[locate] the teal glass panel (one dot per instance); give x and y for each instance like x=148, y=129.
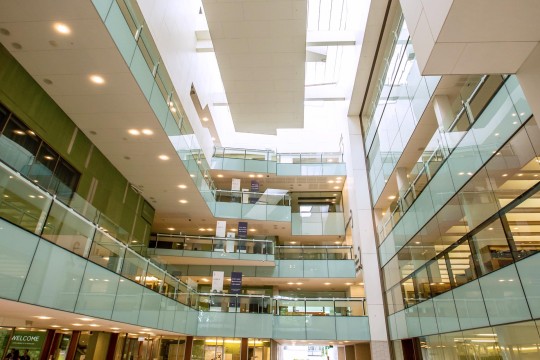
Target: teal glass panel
x=288, y=169
x=216, y=323
x=528, y=272
x=142, y=74
x=503, y=295
x=253, y=212
x=181, y=319
x=426, y=313
x=120, y=32
x=167, y=314
x=278, y=213
x=233, y=164
x=158, y=104
x=290, y=268
x=54, y=278
x=334, y=169
x=315, y=268
x=228, y=210
x=98, y=292
x=134, y=266
x=412, y=320
x=68, y=230
x=253, y=325
x=521, y=106
x=445, y=310
x=333, y=223
x=341, y=268
x=192, y=322
x=259, y=166
x=320, y=327
x=289, y=327
x=392, y=327
x=17, y=248
x=401, y=325
x=424, y=206
x=268, y=271
x=464, y=160
x=470, y=306
x=102, y=7
x=128, y=302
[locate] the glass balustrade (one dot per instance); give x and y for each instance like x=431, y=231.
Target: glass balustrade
x=30, y=207
x=314, y=253
x=186, y=245
x=463, y=147
x=324, y=223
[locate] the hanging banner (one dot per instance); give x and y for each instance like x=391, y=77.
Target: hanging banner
x=235, y=185
x=217, y=282
x=221, y=228
x=242, y=229
x=253, y=198
x=229, y=244
x=236, y=283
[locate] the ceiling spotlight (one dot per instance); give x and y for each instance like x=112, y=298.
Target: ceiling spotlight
x=209, y=229
x=42, y=317
x=182, y=201
x=134, y=132
x=219, y=175
x=391, y=197
x=147, y=132
x=251, y=175
x=182, y=186
x=336, y=187
x=170, y=229
x=97, y=79
x=327, y=283
x=163, y=157
x=205, y=119
x=260, y=176
x=62, y=28
x=252, y=230
x=202, y=229
x=205, y=280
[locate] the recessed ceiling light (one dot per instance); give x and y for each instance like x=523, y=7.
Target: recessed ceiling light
x=205, y=280
x=293, y=242
x=392, y=197
x=62, y=28
x=209, y=229
x=42, y=317
x=55, y=326
x=260, y=176
x=163, y=157
x=202, y=229
x=330, y=181
x=182, y=186
x=95, y=325
x=336, y=187
x=170, y=229
x=77, y=324
x=327, y=283
x=19, y=132
x=504, y=175
x=290, y=283
x=134, y=132
x=182, y=201
x=205, y=119
x=299, y=283
x=251, y=175
x=147, y=132
x=233, y=229
x=337, y=242
x=348, y=283
x=252, y=230
x=97, y=79
x=219, y=175
x=86, y=319
x=519, y=174
x=48, y=157
x=115, y=328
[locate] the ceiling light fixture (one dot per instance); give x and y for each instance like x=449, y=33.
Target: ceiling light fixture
x=147, y=132
x=62, y=28
x=134, y=132
x=171, y=229
x=219, y=175
x=182, y=186
x=163, y=157
x=97, y=79
x=183, y=201
x=205, y=119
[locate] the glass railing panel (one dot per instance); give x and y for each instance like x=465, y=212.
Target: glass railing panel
x=69, y=230
x=98, y=292
x=154, y=278
x=21, y=202
x=106, y=251
x=16, y=251
x=199, y=244
x=285, y=307
x=320, y=307
x=134, y=266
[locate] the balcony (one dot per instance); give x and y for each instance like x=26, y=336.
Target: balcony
x=178, y=249
x=281, y=164
x=324, y=223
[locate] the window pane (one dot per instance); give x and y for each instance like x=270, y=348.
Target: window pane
x=461, y=264
x=524, y=225
x=491, y=250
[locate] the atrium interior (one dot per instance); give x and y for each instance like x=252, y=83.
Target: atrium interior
x=269, y=179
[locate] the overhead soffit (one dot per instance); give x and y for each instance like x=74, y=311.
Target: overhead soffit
x=260, y=48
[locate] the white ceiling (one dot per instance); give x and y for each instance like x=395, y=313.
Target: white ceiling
x=261, y=51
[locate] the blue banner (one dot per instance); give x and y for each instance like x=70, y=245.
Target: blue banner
x=242, y=229
x=236, y=283
x=253, y=198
